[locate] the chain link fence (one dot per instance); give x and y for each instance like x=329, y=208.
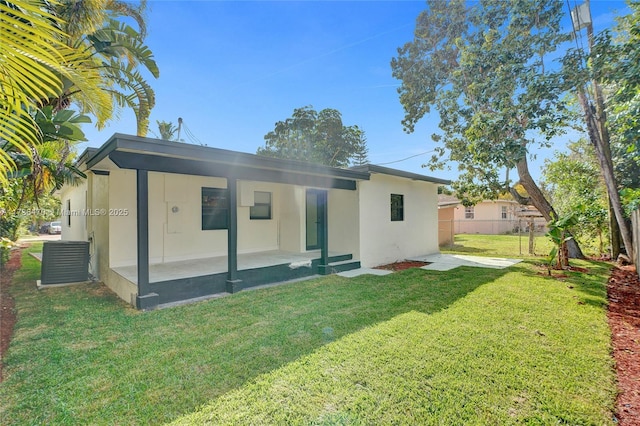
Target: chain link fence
x=522, y=236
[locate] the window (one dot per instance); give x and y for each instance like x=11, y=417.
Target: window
x=261, y=208
x=504, y=212
x=397, y=207
x=215, y=207
x=468, y=212
x=69, y=213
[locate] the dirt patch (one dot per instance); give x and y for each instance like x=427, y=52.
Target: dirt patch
x=623, y=291
x=7, y=304
x=401, y=266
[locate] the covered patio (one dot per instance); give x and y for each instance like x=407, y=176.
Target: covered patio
x=193, y=221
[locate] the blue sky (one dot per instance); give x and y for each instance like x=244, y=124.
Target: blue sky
x=232, y=69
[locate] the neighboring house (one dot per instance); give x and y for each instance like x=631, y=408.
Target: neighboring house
x=490, y=217
x=169, y=221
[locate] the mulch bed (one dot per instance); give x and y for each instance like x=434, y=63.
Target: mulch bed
x=623, y=291
x=401, y=266
x=7, y=304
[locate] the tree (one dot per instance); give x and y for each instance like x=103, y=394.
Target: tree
x=485, y=68
x=361, y=155
x=167, y=130
x=576, y=187
x=318, y=137
x=31, y=185
x=35, y=65
x=614, y=63
x=59, y=53
x=117, y=53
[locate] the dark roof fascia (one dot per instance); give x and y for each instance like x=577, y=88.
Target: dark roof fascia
x=187, y=151
x=372, y=168
x=85, y=155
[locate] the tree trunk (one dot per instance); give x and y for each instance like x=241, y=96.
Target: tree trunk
x=614, y=233
x=606, y=167
x=541, y=203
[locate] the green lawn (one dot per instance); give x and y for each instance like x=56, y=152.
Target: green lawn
x=468, y=346
x=498, y=245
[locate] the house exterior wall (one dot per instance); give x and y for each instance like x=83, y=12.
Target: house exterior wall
x=344, y=222
x=292, y=231
x=487, y=218
x=383, y=241
x=98, y=225
x=175, y=229
x=122, y=228
x=257, y=234
x=74, y=212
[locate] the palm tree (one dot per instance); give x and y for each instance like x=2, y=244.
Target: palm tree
x=34, y=65
x=117, y=51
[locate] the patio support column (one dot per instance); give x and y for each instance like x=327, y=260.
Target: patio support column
x=323, y=204
x=145, y=299
x=234, y=284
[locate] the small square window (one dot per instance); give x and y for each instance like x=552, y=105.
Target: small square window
x=215, y=208
x=261, y=209
x=397, y=207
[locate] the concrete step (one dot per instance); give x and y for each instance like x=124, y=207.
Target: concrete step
x=344, y=265
x=340, y=258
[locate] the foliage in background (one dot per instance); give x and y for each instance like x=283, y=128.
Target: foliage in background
x=574, y=185
x=616, y=61
x=487, y=69
x=116, y=51
x=317, y=137
x=35, y=66
x=167, y=130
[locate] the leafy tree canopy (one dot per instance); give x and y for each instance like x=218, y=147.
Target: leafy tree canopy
x=574, y=184
x=616, y=62
x=485, y=68
x=318, y=137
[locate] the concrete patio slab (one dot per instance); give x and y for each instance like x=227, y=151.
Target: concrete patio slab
x=445, y=262
x=363, y=271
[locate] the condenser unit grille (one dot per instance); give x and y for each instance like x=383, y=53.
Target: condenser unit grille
x=64, y=262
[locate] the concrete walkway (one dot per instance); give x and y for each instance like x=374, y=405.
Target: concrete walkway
x=446, y=262
x=443, y=262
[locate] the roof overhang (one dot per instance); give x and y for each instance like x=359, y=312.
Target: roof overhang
x=138, y=153
x=371, y=168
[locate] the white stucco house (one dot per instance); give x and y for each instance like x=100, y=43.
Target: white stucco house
x=169, y=221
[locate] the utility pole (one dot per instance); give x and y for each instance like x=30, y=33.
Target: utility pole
x=179, y=127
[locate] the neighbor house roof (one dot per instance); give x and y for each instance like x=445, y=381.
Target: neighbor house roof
x=445, y=200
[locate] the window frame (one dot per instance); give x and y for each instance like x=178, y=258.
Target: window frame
x=504, y=212
x=214, y=217
x=253, y=210
x=397, y=207
x=469, y=212
x=68, y=213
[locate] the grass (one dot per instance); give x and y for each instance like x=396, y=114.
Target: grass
x=498, y=245
x=496, y=347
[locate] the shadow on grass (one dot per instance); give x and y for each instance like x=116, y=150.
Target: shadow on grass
x=457, y=248
x=108, y=363
x=588, y=286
